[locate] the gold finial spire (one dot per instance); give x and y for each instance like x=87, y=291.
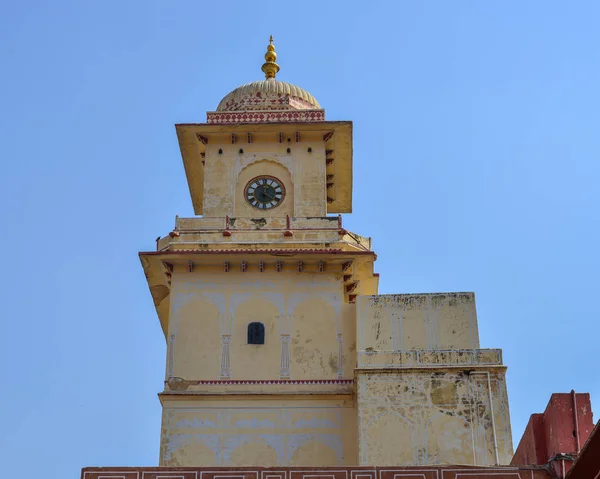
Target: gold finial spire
x=270, y=67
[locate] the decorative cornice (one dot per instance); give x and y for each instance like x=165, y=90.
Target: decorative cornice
x=273, y=116
x=271, y=382
x=277, y=252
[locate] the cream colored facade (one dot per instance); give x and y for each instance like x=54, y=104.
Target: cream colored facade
x=345, y=376
x=422, y=380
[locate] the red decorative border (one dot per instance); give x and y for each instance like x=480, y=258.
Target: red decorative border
x=282, y=252
x=310, y=472
x=232, y=117
x=226, y=382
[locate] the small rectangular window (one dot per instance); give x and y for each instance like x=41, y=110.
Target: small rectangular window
x=256, y=333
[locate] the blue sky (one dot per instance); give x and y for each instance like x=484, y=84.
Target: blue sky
x=476, y=169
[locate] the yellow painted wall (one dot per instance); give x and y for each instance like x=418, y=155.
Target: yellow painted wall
x=415, y=405
x=262, y=167
x=396, y=322
x=302, y=173
x=390, y=380
x=422, y=383
x=211, y=310
x=258, y=431
x=432, y=417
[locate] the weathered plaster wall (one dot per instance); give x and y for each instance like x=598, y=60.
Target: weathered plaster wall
x=302, y=173
x=426, y=393
x=432, y=417
x=311, y=199
x=397, y=322
x=310, y=331
x=265, y=431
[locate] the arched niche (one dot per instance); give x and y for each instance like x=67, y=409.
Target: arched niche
x=266, y=167
x=192, y=452
x=197, y=346
x=314, y=452
x=255, y=361
x=253, y=453
x=314, y=343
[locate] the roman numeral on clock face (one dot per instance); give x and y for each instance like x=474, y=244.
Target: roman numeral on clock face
x=264, y=192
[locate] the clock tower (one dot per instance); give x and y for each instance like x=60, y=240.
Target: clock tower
x=279, y=350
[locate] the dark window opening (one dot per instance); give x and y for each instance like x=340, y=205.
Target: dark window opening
x=256, y=333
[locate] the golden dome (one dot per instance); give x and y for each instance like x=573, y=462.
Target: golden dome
x=268, y=94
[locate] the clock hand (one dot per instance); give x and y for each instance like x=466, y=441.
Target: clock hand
x=267, y=195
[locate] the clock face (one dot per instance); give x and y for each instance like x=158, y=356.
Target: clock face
x=264, y=192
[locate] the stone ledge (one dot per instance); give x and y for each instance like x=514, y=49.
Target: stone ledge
x=429, y=358
x=176, y=386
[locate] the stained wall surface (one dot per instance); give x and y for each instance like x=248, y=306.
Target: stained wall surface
x=309, y=328
x=425, y=393
x=432, y=417
x=342, y=378
x=397, y=322
x=301, y=172
x=273, y=431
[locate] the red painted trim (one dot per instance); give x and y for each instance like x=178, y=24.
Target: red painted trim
x=265, y=116
x=285, y=123
x=262, y=251
x=449, y=471
x=225, y=382
x=212, y=230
